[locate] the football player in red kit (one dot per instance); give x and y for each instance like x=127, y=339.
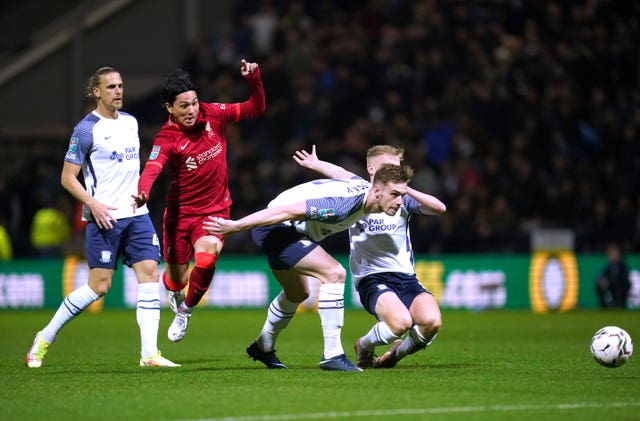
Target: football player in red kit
x=193, y=144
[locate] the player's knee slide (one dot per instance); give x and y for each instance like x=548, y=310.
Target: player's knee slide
x=206, y=260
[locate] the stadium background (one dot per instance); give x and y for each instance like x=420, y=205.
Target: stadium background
x=522, y=116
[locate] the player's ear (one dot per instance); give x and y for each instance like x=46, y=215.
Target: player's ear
x=371, y=169
x=169, y=107
x=377, y=191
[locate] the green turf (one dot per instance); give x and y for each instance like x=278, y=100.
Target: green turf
x=487, y=365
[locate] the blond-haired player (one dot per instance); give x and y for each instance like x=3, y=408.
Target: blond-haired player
x=381, y=263
x=288, y=232
x=106, y=147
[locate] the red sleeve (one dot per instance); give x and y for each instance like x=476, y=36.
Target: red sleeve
x=153, y=167
x=256, y=104
x=151, y=171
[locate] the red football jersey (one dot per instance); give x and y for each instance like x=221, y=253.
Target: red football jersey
x=197, y=157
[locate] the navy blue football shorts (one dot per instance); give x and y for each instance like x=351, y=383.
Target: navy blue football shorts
x=133, y=238
x=405, y=286
x=283, y=245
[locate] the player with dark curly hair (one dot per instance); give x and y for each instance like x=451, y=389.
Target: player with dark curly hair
x=193, y=144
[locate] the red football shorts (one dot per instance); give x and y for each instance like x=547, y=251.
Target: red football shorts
x=180, y=233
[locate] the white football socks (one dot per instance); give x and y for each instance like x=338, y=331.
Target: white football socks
x=71, y=306
x=279, y=315
x=414, y=342
x=148, y=317
x=380, y=334
x=331, y=310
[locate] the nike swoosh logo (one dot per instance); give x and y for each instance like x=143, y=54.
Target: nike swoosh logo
x=107, y=137
x=184, y=146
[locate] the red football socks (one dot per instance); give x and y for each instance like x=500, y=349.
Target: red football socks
x=172, y=285
x=199, y=281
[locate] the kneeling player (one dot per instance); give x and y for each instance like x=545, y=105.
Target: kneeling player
x=381, y=261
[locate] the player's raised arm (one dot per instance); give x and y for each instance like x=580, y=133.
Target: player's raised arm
x=247, y=68
x=256, y=104
x=327, y=169
x=429, y=205
x=262, y=218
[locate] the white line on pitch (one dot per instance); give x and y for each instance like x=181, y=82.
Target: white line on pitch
x=419, y=411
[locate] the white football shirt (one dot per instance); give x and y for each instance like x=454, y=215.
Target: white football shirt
x=108, y=150
x=382, y=243
x=332, y=205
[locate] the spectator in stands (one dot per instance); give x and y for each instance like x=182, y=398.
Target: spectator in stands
x=6, y=247
x=50, y=231
x=613, y=284
x=532, y=95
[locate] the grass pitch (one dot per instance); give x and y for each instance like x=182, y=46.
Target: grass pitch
x=487, y=365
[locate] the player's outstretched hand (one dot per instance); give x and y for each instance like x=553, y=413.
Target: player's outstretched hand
x=139, y=200
x=220, y=226
x=247, y=68
x=306, y=159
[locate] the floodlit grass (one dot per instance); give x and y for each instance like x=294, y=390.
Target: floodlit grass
x=486, y=365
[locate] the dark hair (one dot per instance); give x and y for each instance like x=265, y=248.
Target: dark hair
x=175, y=84
x=94, y=80
x=391, y=173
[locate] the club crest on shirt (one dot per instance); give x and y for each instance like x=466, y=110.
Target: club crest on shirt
x=154, y=152
x=304, y=242
x=190, y=163
x=207, y=128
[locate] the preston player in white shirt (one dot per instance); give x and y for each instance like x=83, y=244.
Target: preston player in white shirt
x=294, y=223
x=106, y=147
x=381, y=262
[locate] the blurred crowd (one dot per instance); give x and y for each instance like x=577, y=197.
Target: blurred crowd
x=517, y=114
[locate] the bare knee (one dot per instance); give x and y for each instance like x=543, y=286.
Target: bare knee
x=430, y=325
x=147, y=271
x=400, y=323
x=336, y=275
x=100, y=285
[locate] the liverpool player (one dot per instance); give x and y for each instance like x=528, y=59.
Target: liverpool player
x=193, y=143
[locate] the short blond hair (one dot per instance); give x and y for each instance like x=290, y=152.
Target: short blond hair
x=379, y=150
